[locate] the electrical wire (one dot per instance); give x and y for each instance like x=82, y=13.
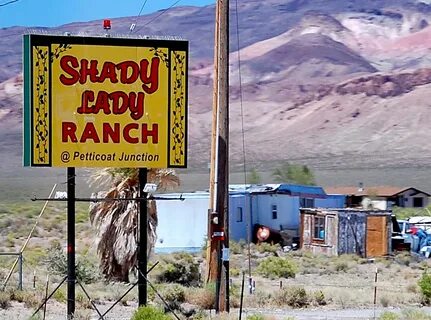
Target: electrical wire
x=133, y=26
x=156, y=17
x=9, y=2
x=243, y=133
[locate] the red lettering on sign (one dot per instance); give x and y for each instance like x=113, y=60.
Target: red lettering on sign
x=126, y=133
x=68, y=130
x=124, y=71
x=153, y=78
x=153, y=133
x=111, y=132
x=89, y=132
x=68, y=63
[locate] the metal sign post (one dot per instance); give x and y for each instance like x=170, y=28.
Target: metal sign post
x=143, y=242
x=71, y=273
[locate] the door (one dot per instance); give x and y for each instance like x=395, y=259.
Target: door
x=377, y=236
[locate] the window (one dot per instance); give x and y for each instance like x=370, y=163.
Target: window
x=319, y=227
x=274, y=211
x=306, y=203
x=238, y=214
x=418, y=202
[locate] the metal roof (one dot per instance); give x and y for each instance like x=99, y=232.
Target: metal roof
x=379, y=191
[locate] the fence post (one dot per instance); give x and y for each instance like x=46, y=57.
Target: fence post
x=20, y=271
x=375, y=291
x=281, y=284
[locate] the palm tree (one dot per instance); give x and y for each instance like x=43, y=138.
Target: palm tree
x=116, y=222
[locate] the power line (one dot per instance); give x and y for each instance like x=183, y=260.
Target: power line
x=9, y=2
x=156, y=17
x=133, y=26
x=243, y=134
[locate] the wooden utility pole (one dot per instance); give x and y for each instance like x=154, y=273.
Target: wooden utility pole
x=223, y=148
x=212, y=243
x=219, y=219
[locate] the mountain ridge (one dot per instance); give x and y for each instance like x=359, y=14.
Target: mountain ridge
x=321, y=80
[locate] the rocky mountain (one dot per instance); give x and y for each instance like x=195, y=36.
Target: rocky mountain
x=330, y=83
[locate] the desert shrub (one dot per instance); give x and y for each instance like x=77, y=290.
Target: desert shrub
x=173, y=295
x=403, y=258
x=234, y=272
x=411, y=314
x=295, y=297
x=202, y=297
x=82, y=314
x=4, y=300
x=341, y=266
x=267, y=247
x=179, y=268
x=275, y=267
x=319, y=298
x=387, y=315
x=83, y=301
x=255, y=317
x=413, y=288
x=234, y=295
x=259, y=299
x=60, y=295
x=149, y=313
x=56, y=262
x=235, y=247
x=29, y=299
x=424, y=284
x=384, y=301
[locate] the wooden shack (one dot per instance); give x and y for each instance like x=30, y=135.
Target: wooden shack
x=366, y=233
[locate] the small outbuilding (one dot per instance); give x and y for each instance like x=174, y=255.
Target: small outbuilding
x=366, y=233
x=382, y=197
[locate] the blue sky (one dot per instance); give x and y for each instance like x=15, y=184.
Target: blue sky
x=50, y=13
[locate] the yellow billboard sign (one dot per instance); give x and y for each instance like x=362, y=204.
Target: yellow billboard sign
x=105, y=102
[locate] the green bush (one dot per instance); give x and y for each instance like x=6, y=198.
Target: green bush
x=149, y=313
x=60, y=295
x=256, y=317
x=56, y=262
x=267, y=247
x=411, y=314
x=386, y=315
x=179, y=268
x=275, y=267
x=173, y=295
x=295, y=297
x=235, y=247
x=424, y=284
x=319, y=298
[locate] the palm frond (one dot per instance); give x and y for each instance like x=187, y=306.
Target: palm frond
x=116, y=221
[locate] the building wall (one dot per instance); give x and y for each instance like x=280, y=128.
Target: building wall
x=183, y=224
x=287, y=210
x=330, y=244
x=351, y=233
x=239, y=217
x=331, y=201
x=409, y=196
